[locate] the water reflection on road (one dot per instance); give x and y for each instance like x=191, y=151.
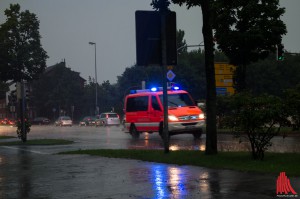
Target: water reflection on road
x=114, y=138
x=225, y=143
x=24, y=186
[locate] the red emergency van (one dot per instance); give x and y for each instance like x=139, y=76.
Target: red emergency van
x=144, y=113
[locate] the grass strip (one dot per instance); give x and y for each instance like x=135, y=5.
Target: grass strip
x=6, y=137
x=240, y=161
x=37, y=142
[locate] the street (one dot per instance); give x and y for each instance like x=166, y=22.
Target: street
x=113, y=137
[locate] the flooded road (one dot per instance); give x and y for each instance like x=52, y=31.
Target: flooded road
x=36, y=172
x=115, y=138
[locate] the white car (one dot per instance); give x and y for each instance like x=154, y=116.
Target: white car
x=107, y=119
x=64, y=121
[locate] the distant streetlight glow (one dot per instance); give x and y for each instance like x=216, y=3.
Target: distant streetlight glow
x=96, y=82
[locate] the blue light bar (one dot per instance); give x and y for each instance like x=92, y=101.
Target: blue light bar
x=176, y=88
x=154, y=89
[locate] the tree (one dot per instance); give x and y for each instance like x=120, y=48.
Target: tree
x=211, y=130
x=247, y=31
x=21, y=54
x=273, y=77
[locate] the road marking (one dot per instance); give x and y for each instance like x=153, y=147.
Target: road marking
x=31, y=151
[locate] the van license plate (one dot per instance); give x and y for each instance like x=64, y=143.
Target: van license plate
x=189, y=127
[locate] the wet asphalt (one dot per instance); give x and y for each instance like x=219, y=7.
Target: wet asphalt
x=26, y=172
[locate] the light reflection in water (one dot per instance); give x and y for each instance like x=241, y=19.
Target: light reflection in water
x=204, y=184
x=108, y=132
x=146, y=139
x=175, y=147
x=168, y=182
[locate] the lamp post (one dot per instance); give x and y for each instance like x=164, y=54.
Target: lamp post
x=96, y=104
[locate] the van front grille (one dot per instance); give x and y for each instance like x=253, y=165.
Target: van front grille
x=189, y=117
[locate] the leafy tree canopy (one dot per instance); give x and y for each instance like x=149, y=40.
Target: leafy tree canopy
x=21, y=54
x=248, y=30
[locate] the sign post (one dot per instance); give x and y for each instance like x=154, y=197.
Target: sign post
x=156, y=45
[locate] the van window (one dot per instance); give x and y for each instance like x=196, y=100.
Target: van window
x=178, y=100
x=137, y=104
x=155, y=104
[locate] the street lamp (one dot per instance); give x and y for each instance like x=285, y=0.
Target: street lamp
x=96, y=104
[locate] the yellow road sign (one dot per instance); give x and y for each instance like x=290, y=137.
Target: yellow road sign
x=224, y=80
x=224, y=69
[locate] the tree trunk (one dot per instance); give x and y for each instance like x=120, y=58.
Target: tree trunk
x=211, y=129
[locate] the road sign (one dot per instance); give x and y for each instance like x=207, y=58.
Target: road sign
x=170, y=67
x=224, y=90
x=224, y=80
x=224, y=69
x=170, y=75
x=149, y=40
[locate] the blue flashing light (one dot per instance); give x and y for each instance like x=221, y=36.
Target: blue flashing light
x=132, y=91
x=153, y=89
x=176, y=88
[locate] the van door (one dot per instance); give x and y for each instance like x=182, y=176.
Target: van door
x=137, y=112
x=155, y=113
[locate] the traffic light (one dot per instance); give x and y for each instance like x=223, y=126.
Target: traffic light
x=280, y=52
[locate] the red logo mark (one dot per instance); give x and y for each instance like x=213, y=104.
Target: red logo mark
x=283, y=185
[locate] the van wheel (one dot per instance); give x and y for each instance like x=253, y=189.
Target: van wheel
x=134, y=133
x=161, y=131
x=197, y=135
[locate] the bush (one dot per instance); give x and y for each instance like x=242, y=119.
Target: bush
x=292, y=103
x=23, y=135
x=259, y=118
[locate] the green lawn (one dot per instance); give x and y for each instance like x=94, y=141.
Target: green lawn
x=5, y=137
x=241, y=161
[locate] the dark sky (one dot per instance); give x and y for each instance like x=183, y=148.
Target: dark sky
x=67, y=26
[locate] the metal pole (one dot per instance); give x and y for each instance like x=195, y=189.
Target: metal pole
x=96, y=81
x=165, y=91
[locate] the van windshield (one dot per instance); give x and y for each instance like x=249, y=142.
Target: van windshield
x=178, y=100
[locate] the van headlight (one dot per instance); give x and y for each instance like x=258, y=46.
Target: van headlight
x=201, y=116
x=173, y=118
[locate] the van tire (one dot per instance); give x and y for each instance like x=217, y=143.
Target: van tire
x=161, y=131
x=197, y=135
x=134, y=133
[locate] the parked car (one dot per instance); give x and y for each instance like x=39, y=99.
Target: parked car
x=87, y=121
x=64, y=121
x=107, y=119
x=40, y=121
x=7, y=121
